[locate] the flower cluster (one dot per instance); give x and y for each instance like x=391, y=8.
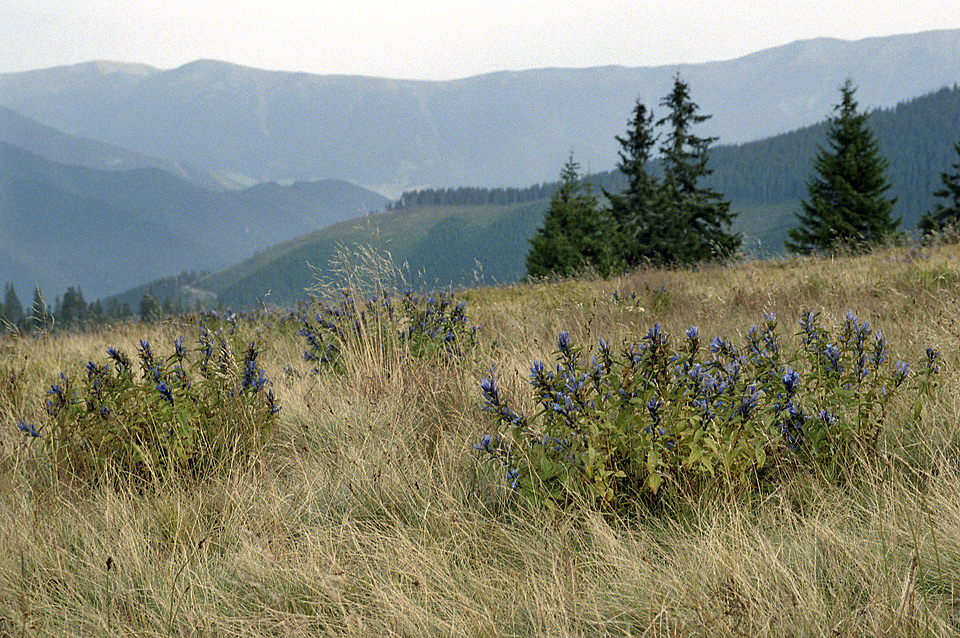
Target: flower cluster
x=193, y=409
x=427, y=327
x=614, y=426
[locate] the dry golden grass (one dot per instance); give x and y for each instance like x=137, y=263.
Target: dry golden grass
x=369, y=514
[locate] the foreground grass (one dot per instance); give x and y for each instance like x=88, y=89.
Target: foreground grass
x=368, y=514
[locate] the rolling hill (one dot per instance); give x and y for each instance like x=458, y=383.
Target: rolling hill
x=105, y=231
x=507, y=128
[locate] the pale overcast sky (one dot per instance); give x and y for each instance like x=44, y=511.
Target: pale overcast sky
x=437, y=39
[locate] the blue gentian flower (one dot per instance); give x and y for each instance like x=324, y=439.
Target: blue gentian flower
x=165, y=391
x=27, y=428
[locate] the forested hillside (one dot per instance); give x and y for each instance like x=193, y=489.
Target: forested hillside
x=917, y=137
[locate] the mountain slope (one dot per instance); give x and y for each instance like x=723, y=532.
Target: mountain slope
x=441, y=246
x=508, y=128
x=106, y=231
x=764, y=181
x=45, y=141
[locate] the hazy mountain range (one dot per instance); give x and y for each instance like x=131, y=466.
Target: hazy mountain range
x=466, y=244
x=65, y=225
x=499, y=129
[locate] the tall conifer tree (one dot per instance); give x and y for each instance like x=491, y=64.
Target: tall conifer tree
x=150, y=307
x=576, y=233
x=640, y=225
x=848, y=203
x=698, y=217
x=12, y=308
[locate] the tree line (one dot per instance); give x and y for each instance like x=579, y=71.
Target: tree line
x=673, y=216
x=471, y=196
x=72, y=312
x=776, y=169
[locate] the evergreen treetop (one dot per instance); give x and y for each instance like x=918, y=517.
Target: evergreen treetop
x=576, y=233
x=150, y=309
x=847, y=203
x=635, y=211
x=12, y=308
x=698, y=217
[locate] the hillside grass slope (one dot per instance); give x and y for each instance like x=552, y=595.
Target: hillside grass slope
x=443, y=246
x=370, y=513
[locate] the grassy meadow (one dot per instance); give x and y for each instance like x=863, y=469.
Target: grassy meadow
x=369, y=512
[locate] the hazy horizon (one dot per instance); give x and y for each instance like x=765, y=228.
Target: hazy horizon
x=431, y=39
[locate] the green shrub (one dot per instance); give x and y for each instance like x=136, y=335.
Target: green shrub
x=617, y=428
x=195, y=410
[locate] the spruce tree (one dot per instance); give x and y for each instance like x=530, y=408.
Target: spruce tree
x=640, y=226
x=95, y=313
x=576, y=233
x=72, y=310
x=945, y=215
x=847, y=203
x=113, y=310
x=150, y=307
x=12, y=308
x=696, y=218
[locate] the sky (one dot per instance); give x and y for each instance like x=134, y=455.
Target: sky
x=437, y=39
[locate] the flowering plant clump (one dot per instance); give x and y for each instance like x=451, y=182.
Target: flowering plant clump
x=428, y=327
x=617, y=426
x=194, y=410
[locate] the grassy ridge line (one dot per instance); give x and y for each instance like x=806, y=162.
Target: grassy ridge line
x=370, y=514
x=442, y=245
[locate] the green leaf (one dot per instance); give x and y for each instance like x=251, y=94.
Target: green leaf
x=654, y=481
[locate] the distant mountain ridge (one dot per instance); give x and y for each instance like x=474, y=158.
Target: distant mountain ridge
x=45, y=141
x=498, y=129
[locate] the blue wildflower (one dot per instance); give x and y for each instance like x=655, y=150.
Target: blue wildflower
x=933, y=356
x=272, y=402
x=165, y=391
x=748, y=403
x=146, y=354
x=831, y=354
x=27, y=428
x=653, y=407
x=790, y=380
x=485, y=442
x=900, y=373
